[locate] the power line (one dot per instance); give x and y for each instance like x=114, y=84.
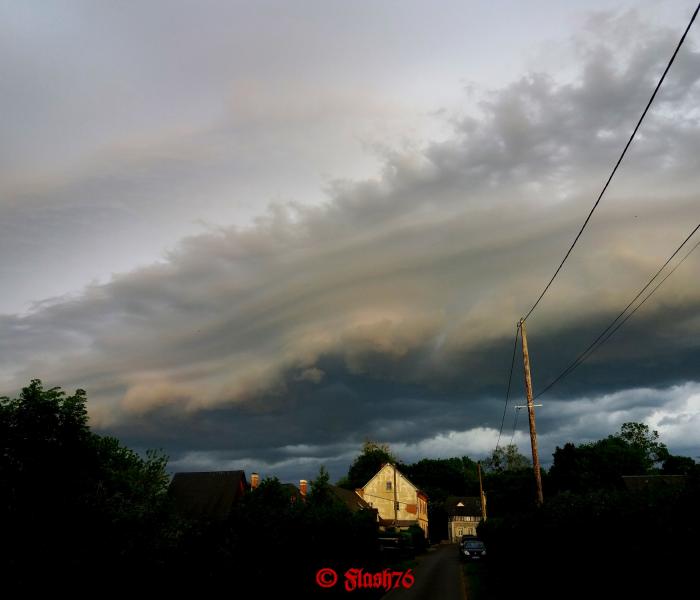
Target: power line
x=658, y=285
x=608, y=332
x=617, y=164
x=383, y=498
x=510, y=379
x=590, y=349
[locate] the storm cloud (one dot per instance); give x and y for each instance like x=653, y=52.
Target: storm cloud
x=387, y=309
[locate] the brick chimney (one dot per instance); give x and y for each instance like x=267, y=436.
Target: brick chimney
x=254, y=480
x=303, y=486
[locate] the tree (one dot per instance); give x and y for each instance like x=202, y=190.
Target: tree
x=634, y=450
x=506, y=458
x=638, y=436
x=364, y=467
x=71, y=497
x=320, y=489
x=595, y=466
x=443, y=477
x=300, y=537
x=678, y=465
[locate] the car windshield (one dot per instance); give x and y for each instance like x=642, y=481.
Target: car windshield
x=474, y=545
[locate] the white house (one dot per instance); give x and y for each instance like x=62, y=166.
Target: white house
x=463, y=516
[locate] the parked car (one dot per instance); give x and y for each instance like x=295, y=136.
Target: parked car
x=472, y=549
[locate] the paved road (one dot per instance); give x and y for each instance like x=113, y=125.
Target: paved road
x=438, y=576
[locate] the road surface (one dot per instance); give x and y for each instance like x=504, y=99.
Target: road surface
x=437, y=577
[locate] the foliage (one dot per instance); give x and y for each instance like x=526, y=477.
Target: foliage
x=443, y=477
x=70, y=496
x=590, y=518
x=506, y=458
x=370, y=460
x=511, y=491
x=619, y=535
x=418, y=540
x=678, y=465
x=638, y=436
x=267, y=528
x=600, y=465
x=78, y=506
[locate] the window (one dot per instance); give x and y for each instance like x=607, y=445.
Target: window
x=388, y=486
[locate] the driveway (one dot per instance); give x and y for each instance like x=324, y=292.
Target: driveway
x=437, y=575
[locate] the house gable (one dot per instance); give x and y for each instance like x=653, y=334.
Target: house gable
x=388, y=470
x=396, y=498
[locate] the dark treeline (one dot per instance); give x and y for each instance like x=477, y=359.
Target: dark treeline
x=81, y=512
x=273, y=545
x=75, y=506
x=594, y=536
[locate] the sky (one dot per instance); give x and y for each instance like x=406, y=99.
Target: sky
x=260, y=233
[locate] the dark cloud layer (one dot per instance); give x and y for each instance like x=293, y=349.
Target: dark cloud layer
x=388, y=311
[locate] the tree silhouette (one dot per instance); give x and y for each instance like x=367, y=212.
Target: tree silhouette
x=71, y=497
x=366, y=465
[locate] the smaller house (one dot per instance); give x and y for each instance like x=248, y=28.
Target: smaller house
x=463, y=516
x=207, y=494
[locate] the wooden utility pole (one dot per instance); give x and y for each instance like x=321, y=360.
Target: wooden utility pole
x=531, y=415
x=482, y=496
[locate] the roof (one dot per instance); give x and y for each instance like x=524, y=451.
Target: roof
x=293, y=491
x=350, y=498
x=470, y=506
x=208, y=494
x=418, y=491
x=638, y=483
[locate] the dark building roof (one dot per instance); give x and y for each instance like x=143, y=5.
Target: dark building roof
x=209, y=494
x=639, y=483
x=349, y=498
x=471, y=506
x=293, y=491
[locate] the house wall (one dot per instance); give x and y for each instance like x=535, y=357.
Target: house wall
x=380, y=496
x=462, y=525
x=423, y=514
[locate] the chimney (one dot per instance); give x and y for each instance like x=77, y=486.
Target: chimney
x=303, y=485
x=254, y=480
